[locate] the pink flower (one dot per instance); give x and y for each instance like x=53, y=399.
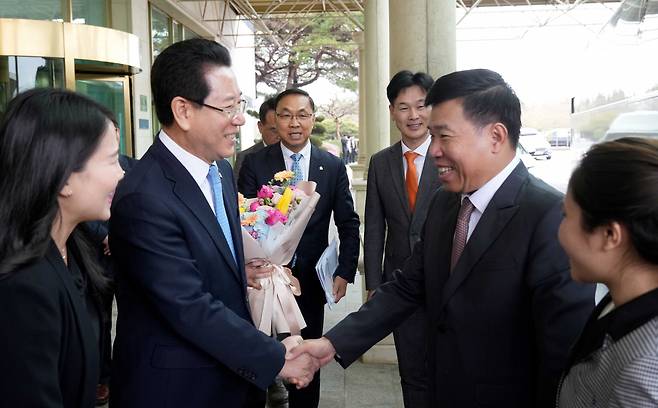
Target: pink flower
x=254, y=206
x=265, y=192
x=274, y=216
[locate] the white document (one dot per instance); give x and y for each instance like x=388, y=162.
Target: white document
x=325, y=268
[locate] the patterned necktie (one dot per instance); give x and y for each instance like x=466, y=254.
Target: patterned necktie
x=411, y=178
x=461, y=231
x=220, y=211
x=296, y=168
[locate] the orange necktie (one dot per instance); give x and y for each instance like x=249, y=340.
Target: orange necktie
x=411, y=178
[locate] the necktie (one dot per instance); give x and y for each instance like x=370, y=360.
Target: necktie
x=220, y=210
x=296, y=168
x=461, y=231
x=411, y=178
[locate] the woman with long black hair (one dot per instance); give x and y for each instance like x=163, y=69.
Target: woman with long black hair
x=59, y=167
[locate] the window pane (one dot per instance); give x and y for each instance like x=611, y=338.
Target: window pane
x=160, y=35
x=33, y=9
x=39, y=72
x=187, y=33
x=93, y=12
x=8, y=81
x=178, y=31
x=18, y=74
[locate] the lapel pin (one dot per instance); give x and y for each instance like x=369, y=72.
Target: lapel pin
x=321, y=168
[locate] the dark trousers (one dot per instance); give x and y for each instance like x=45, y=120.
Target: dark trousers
x=411, y=347
x=312, y=307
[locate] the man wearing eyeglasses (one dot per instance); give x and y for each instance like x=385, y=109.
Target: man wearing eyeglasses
x=266, y=127
x=184, y=333
x=295, y=120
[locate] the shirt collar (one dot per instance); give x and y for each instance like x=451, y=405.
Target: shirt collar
x=421, y=150
x=197, y=168
x=305, y=152
x=481, y=198
x=618, y=323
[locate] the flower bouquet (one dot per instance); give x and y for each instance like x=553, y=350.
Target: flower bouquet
x=272, y=224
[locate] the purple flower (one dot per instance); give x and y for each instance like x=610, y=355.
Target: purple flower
x=253, y=206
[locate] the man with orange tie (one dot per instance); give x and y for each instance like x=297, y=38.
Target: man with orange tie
x=400, y=186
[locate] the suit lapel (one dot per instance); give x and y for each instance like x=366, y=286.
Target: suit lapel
x=231, y=205
x=429, y=182
x=85, y=330
x=497, y=215
x=397, y=176
x=188, y=192
x=275, y=160
x=316, y=167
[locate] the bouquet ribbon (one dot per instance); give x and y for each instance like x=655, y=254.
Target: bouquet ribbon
x=273, y=307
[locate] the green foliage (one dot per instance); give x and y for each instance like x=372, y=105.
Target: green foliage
x=319, y=129
x=301, y=52
x=346, y=127
x=316, y=141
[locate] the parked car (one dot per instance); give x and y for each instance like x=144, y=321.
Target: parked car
x=534, y=143
x=638, y=124
x=559, y=137
x=525, y=157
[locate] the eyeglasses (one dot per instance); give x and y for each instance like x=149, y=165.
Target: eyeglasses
x=230, y=112
x=288, y=117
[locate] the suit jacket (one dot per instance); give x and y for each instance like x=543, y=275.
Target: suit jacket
x=239, y=158
x=184, y=332
x=501, y=324
x=333, y=186
x=391, y=229
x=48, y=348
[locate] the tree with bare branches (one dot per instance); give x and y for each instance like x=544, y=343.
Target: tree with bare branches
x=337, y=109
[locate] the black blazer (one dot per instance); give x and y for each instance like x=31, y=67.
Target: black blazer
x=48, y=350
x=391, y=229
x=333, y=186
x=501, y=324
x=184, y=333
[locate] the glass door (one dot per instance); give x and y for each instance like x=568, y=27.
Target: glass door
x=112, y=92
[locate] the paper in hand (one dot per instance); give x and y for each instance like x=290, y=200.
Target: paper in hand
x=325, y=268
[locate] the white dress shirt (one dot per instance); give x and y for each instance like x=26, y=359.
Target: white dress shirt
x=304, y=162
x=419, y=161
x=197, y=168
x=484, y=194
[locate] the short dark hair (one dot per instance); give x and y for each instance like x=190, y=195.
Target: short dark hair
x=268, y=105
x=45, y=136
x=405, y=79
x=486, y=98
x=179, y=71
x=631, y=166
x=293, y=91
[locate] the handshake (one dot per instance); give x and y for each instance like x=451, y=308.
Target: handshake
x=304, y=358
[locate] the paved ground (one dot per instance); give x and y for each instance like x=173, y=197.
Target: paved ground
x=361, y=385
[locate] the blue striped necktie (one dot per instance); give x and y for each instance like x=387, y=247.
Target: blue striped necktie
x=296, y=168
x=220, y=211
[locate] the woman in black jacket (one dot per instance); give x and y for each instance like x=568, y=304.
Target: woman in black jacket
x=59, y=167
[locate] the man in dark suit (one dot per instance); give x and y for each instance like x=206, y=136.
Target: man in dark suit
x=295, y=118
x=266, y=127
x=502, y=309
x=184, y=333
x=401, y=181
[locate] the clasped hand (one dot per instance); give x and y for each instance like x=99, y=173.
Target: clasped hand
x=304, y=358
